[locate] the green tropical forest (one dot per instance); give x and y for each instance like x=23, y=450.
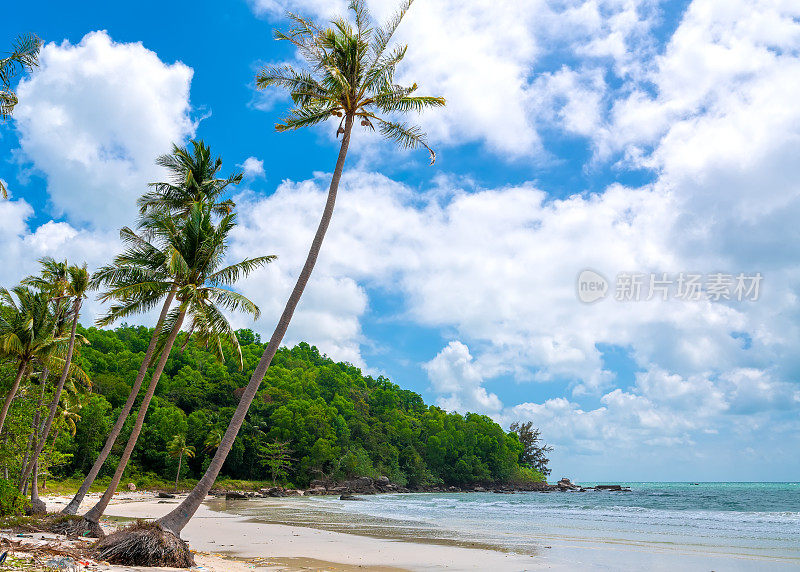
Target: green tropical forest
x=335, y=422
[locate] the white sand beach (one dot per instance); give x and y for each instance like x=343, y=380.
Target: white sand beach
x=227, y=543
x=224, y=542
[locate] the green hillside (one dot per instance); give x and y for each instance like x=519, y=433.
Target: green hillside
x=336, y=422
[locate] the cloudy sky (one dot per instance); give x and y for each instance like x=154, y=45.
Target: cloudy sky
x=622, y=136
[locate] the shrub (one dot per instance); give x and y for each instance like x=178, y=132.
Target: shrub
x=11, y=500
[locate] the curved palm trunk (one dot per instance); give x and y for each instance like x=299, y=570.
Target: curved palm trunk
x=23, y=365
x=47, y=460
x=57, y=394
x=35, y=423
x=97, y=510
x=178, y=476
x=37, y=505
x=75, y=503
x=177, y=519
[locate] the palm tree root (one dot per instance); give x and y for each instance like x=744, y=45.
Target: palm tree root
x=145, y=544
x=37, y=507
x=73, y=526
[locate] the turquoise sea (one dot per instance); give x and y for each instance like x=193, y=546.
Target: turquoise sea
x=746, y=526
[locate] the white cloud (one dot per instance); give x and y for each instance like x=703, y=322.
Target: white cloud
x=253, y=167
x=93, y=117
x=485, y=60
x=458, y=380
x=22, y=247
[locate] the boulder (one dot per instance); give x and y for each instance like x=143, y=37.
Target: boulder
x=163, y=495
x=236, y=495
x=131, y=487
x=348, y=496
x=362, y=485
x=383, y=481
x=608, y=488
x=566, y=485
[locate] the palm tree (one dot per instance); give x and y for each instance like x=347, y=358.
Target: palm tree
x=24, y=56
x=193, y=179
x=76, y=288
x=194, y=248
x=53, y=281
x=350, y=76
x=178, y=448
x=142, y=275
x=140, y=279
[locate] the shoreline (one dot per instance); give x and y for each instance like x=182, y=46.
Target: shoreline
x=228, y=542
x=225, y=542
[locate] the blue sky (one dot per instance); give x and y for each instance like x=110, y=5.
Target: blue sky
x=617, y=135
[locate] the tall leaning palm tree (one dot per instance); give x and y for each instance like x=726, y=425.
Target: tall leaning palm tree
x=24, y=56
x=195, y=247
x=76, y=288
x=350, y=76
x=141, y=275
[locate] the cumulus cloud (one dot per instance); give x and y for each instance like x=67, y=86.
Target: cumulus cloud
x=94, y=116
x=22, y=246
x=458, y=380
x=253, y=167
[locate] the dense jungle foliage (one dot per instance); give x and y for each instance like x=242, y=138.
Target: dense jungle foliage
x=335, y=422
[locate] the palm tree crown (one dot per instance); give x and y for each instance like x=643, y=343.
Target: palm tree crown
x=193, y=179
x=185, y=254
x=351, y=73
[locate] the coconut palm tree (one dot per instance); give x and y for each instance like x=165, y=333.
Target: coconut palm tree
x=142, y=275
x=52, y=281
x=76, y=288
x=195, y=247
x=193, y=178
x=24, y=56
x=350, y=76
x=178, y=448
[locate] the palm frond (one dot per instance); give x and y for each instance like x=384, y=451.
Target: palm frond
x=234, y=272
x=405, y=135
x=233, y=301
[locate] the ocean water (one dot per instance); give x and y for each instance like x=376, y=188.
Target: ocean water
x=756, y=522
